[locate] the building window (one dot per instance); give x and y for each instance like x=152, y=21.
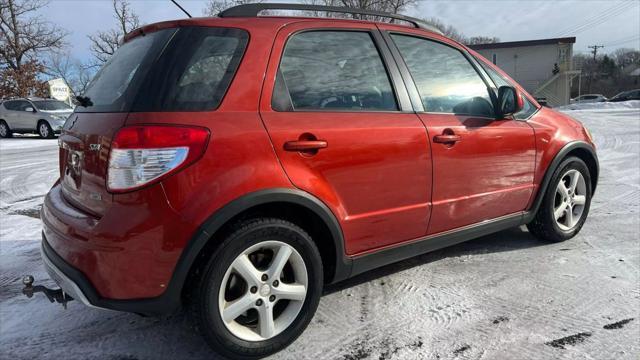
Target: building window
x=562, y=56
x=494, y=59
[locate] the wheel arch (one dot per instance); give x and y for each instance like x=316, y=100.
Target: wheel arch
x=293, y=205
x=580, y=149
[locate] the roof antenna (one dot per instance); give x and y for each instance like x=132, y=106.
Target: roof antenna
x=181, y=8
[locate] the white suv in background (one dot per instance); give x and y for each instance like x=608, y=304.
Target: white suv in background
x=42, y=116
x=589, y=98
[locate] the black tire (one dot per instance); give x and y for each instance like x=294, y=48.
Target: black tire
x=203, y=302
x=544, y=225
x=5, y=131
x=44, y=130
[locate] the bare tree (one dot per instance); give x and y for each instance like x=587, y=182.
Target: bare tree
x=389, y=6
x=105, y=43
x=25, y=35
x=24, y=38
x=76, y=74
x=214, y=7
x=447, y=30
x=475, y=40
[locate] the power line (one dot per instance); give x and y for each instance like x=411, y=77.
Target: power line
x=598, y=19
x=623, y=40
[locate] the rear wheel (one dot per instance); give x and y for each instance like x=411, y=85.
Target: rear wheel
x=259, y=290
x=44, y=130
x=5, y=132
x=566, y=203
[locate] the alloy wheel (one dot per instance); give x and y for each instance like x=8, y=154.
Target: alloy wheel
x=3, y=130
x=570, y=200
x=44, y=130
x=263, y=291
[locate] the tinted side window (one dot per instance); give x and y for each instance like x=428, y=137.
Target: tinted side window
x=333, y=70
x=195, y=70
x=10, y=105
x=528, y=108
x=18, y=105
x=445, y=79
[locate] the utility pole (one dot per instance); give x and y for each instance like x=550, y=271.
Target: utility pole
x=594, y=67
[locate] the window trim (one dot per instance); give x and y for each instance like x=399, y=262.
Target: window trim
x=495, y=87
x=155, y=67
x=410, y=84
x=398, y=86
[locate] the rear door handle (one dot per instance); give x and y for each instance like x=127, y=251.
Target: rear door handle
x=446, y=139
x=305, y=145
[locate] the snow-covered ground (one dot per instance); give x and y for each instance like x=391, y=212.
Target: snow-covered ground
x=631, y=104
x=503, y=296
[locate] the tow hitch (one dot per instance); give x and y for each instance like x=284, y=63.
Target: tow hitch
x=54, y=295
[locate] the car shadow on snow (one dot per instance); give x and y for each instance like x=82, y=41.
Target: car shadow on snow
x=507, y=240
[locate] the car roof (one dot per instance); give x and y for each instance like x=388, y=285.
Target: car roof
x=264, y=23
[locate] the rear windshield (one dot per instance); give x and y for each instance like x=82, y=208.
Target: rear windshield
x=188, y=69
x=49, y=105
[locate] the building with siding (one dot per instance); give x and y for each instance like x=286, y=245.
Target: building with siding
x=543, y=67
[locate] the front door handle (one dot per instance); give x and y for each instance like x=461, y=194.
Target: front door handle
x=446, y=139
x=307, y=147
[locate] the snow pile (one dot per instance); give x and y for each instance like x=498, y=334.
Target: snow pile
x=631, y=104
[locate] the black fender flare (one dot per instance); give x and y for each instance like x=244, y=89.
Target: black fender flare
x=558, y=158
x=222, y=216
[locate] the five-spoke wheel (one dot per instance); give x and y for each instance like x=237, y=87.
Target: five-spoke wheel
x=259, y=289
x=565, y=204
x=263, y=291
x=571, y=196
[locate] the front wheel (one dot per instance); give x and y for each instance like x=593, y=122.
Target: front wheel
x=44, y=130
x=566, y=203
x=259, y=290
x=5, y=132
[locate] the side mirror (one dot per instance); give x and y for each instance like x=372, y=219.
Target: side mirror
x=29, y=109
x=509, y=101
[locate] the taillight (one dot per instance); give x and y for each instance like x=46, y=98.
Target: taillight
x=141, y=155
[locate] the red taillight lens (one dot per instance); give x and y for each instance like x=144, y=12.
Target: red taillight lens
x=141, y=155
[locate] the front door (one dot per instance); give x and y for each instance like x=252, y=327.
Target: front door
x=483, y=167
x=343, y=128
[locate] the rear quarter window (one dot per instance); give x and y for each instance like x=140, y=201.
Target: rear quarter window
x=195, y=71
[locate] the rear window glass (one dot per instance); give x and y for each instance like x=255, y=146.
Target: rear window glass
x=188, y=69
x=193, y=74
x=49, y=105
x=114, y=87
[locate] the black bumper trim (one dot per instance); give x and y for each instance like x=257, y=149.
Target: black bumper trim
x=166, y=303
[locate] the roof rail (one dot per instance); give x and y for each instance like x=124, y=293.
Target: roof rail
x=252, y=10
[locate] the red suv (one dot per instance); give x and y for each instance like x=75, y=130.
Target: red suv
x=238, y=164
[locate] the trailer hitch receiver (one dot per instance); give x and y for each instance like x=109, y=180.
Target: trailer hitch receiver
x=54, y=295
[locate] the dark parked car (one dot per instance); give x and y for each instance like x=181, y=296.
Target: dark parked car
x=627, y=95
x=244, y=162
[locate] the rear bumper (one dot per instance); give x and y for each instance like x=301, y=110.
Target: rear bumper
x=122, y=261
x=76, y=284
x=53, y=264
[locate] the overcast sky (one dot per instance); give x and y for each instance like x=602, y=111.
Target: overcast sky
x=614, y=24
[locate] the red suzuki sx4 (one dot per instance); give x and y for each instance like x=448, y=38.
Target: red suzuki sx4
x=235, y=165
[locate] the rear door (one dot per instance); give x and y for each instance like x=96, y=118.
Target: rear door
x=9, y=113
x=343, y=127
x=483, y=167
x=20, y=117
